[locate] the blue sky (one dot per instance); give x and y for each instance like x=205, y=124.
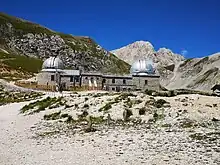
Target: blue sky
x=189, y=26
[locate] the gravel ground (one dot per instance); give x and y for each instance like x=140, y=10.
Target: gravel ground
x=116, y=145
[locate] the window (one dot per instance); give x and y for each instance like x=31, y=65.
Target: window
x=113, y=89
x=97, y=78
x=71, y=79
x=113, y=81
x=124, y=89
x=146, y=82
x=52, y=78
x=104, y=80
x=124, y=81
x=77, y=79
x=92, y=80
x=86, y=78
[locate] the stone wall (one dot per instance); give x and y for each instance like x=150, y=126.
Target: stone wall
x=44, y=78
x=146, y=82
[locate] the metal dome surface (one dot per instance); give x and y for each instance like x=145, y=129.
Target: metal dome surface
x=142, y=67
x=53, y=63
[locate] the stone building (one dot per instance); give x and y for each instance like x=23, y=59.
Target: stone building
x=53, y=76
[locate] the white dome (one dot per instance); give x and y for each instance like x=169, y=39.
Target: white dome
x=53, y=63
x=142, y=67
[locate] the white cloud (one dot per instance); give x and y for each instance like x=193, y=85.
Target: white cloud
x=184, y=52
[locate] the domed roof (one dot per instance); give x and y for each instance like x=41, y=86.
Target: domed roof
x=53, y=63
x=142, y=67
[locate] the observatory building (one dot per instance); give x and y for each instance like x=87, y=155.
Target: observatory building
x=53, y=76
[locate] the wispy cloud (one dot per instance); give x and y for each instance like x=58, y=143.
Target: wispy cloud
x=184, y=52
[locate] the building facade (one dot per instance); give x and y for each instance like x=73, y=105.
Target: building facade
x=142, y=76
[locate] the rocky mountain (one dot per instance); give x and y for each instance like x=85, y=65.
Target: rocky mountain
x=198, y=73
x=175, y=71
x=144, y=49
x=21, y=37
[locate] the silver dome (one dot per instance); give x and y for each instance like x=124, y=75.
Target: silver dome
x=142, y=67
x=53, y=63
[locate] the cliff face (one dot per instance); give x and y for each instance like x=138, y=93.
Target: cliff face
x=20, y=37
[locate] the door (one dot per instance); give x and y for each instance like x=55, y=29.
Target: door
x=117, y=89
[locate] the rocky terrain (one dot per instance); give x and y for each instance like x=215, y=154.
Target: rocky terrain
x=111, y=128
x=144, y=49
x=197, y=73
x=175, y=71
x=21, y=37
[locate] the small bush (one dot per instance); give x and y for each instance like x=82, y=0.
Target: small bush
x=52, y=116
x=106, y=107
x=86, y=106
x=142, y=111
x=159, y=103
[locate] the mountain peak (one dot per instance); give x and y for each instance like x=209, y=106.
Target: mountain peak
x=142, y=43
x=144, y=49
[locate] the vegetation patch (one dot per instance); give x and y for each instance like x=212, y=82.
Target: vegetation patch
x=158, y=116
x=187, y=123
x=12, y=97
x=106, y=107
x=41, y=105
x=159, y=103
x=142, y=111
x=211, y=136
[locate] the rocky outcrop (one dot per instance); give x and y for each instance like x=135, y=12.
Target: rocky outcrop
x=29, y=39
x=144, y=49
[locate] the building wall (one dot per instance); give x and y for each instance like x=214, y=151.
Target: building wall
x=131, y=83
x=118, y=83
x=152, y=82
x=69, y=82
x=44, y=78
x=92, y=78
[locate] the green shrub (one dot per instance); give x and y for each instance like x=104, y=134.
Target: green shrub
x=41, y=105
x=86, y=106
x=106, y=107
x=159, y=103
x=142, y=111
x=52, y=116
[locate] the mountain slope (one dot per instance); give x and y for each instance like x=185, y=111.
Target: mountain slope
x=20, y=37
x=175, y=71
x=144, y=49
x=197, y=73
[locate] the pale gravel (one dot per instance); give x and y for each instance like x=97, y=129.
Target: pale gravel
x=114, y=146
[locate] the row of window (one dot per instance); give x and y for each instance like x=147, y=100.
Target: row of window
x=71, y=78
x=104, y=80
x=124, y=89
